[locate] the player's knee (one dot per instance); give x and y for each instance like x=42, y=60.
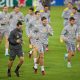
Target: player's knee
x=22, y=60
x=35, y=50
x=41, y=56
x=11, y=59
x=70, y=52
x=73, y=54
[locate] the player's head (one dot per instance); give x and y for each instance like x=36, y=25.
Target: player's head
x=70, y=5
x=19, y=25
x=46, y=8
x=5, y=8
x=31, y=10
x=74, y=10
x=16, y=9
x=37, y=14
x=72, y=20
x=44, y=20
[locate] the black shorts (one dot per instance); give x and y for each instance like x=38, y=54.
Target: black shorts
x=14, y=53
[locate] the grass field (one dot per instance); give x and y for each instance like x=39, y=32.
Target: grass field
x=55, y=65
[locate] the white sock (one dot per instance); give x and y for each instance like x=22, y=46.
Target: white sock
x=66, y=55
x=42, y=68
x=30, y=52
x=35, y=60
x=35, y=66
x=69, y=62
x=6, y=51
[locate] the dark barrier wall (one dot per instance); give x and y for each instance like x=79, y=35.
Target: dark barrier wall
x=13, y=3
x=29, y=3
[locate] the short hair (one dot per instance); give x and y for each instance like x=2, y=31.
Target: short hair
x=31, y=8
x=46, y=6
x=15, y=6
x=43, y=18
x=37, y=12
x=19, y=23
x=75, y=8
x=5, y=6
x=70, y=3
x=71, y=18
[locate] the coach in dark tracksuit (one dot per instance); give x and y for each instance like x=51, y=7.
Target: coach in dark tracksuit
x=15, y=45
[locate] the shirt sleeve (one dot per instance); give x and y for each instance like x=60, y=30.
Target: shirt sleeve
x=50, y=30
x=63, y=34
x=12, y=39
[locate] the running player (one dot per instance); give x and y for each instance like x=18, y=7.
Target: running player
x=69, y=36
x=15, y=46
x=4, y=27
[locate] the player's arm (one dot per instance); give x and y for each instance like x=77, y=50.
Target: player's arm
x=50, y=31
x=64, y=12
x=3, y=20
x=21, y=18
x=12, y=39
x=27, y=25
x=63, y=38
x=26, y=20
x=77, y=33
x=28, y=28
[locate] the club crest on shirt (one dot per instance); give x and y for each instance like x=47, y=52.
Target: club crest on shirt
x=44, y=30
x=17, y=36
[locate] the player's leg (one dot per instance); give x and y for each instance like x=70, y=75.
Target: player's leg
x=21, y=60
x=10, y=62
x=78, y=43
x=69, y=59
x=41, y=61
x=41, y=57
x=35, y=59
x=31, y=49
x=68, y=55
x=6, y=43
x=71, y=52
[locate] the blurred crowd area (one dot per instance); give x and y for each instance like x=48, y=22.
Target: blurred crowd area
x=23, y=3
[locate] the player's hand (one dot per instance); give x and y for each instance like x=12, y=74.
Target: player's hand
x=61, y=40
x=30, y=37
x=18, y=41
x=78, y=38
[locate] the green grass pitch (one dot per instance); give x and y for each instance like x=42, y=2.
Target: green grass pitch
x=55, y=65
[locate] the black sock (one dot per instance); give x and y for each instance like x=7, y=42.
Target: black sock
x=9, y=70
x=47, y=46
x=17, y=68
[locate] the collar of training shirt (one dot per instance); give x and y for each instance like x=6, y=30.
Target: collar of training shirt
x=71, y=25
x=20, y=30
x=5, y=12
